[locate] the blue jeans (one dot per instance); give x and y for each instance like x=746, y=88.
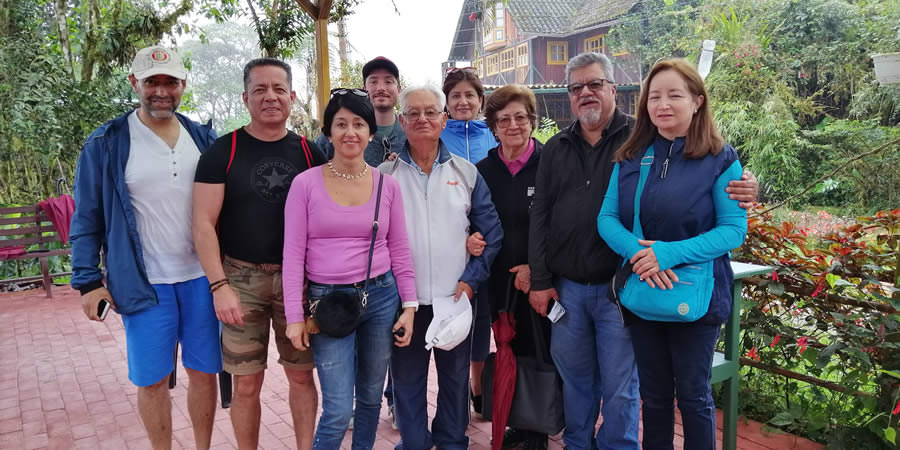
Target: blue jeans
x=593, y=352
x=675, y=359
x=356, y=362
x=409, y=371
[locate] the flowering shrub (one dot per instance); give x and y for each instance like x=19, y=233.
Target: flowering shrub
x=822, y=332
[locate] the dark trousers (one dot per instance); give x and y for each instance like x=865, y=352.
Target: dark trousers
x=409, y=372
x=674, y=361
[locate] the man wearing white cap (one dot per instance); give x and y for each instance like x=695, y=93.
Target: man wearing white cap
x=133, y=187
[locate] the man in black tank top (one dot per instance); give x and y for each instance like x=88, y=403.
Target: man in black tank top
x=240, y=189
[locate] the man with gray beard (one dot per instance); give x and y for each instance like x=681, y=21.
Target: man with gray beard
x=571, y=264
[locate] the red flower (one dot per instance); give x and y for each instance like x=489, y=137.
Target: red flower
x=802, y=342
x=896, y=409
x=752, y=354
x=775, y=340
x=818, y=289
x=472, y=17
x=774, y=275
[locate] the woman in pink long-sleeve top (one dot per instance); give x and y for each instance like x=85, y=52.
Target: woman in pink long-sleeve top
x=328, y=230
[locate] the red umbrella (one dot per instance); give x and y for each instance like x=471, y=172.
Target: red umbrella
x=504, y=386
x=59, y=210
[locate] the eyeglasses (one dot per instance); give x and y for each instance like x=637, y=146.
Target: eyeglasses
x=594, y=86
x=519, y=119
x=386, y=144
x=345, y=91
x=430, y=114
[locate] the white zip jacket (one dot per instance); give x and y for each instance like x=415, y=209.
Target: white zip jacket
x=440, y=209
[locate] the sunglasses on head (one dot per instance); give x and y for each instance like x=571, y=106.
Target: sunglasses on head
x=345, y=91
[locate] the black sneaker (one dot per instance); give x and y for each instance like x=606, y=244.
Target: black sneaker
x=513, y=437
x=535, y=441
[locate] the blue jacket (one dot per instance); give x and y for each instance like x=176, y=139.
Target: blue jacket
x=470, y=139
x=104, y=217
x=687, y=212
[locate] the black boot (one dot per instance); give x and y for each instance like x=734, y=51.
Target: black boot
x=476, y=403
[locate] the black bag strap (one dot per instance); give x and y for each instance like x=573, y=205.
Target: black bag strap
x=365, y=291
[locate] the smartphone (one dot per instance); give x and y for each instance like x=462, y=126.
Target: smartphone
x=555, y=310
x=103, y=309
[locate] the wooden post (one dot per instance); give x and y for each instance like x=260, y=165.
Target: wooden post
x=319, y=11
x=324, y=82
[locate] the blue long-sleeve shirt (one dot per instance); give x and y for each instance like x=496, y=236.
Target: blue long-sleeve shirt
x=688, y=213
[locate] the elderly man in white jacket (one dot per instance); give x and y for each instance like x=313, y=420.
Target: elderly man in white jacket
x=445, y=199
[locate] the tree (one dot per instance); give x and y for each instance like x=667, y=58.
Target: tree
x=216, y=76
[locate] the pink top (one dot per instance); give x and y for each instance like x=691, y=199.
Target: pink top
x=517, y=164
x=329, y=243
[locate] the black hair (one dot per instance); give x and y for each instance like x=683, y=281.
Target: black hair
x=359, y=105
x=265, y=62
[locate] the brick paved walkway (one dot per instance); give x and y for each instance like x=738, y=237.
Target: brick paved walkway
x=64, y=384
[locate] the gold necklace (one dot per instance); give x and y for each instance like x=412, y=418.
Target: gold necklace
x=347, y=176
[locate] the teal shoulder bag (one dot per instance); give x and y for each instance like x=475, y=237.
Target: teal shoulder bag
x=688, y=300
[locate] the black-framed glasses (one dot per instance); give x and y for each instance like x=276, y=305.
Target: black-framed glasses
x=345, y=91
x=386, y=144
x=594, y=86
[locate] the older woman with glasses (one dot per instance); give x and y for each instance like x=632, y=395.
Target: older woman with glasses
x=469, y=137
x=510, y=170
x=328, y=241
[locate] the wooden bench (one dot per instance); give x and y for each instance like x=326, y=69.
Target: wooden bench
x=30, y=227
x=726, y=366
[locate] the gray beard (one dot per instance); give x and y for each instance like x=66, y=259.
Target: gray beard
x=591, y=117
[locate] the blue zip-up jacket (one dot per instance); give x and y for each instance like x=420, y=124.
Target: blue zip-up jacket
x=375, y=150
x=470, y=139
x=104, y=216
x=687, y=212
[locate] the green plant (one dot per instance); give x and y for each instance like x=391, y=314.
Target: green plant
x=546, y=129
x=822, y=329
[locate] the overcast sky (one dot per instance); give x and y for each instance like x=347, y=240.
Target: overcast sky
x=417, y=40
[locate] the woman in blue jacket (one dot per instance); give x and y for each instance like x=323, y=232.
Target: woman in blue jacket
x=468, y=136
x=685, y=221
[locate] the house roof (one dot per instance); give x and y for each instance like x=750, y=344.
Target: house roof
x=563, y=17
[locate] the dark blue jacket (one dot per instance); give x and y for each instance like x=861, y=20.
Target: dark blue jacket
x=104, y=217
x=687, y=212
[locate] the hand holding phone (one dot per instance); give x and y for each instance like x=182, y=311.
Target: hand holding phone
x=103, y=308
x=556, y=310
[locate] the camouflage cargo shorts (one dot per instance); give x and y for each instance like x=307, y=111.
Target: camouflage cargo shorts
x=245, y=348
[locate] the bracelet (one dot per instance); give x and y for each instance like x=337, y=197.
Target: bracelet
x=217, y=285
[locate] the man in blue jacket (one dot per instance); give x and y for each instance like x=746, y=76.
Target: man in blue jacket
x=133, y=188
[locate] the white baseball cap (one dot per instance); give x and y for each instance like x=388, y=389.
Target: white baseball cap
x=451, y=323
x=157, y=60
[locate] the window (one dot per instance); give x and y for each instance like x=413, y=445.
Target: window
x=494, y=29
x=522, y=55
x=492, y=64
x=557, y=52
x=594, y=44
x=478, y=64
x=507, y=60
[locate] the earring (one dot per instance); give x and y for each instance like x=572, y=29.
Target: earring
x=695, y=111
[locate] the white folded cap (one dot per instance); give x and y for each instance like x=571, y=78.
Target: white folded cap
x=451, y=323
